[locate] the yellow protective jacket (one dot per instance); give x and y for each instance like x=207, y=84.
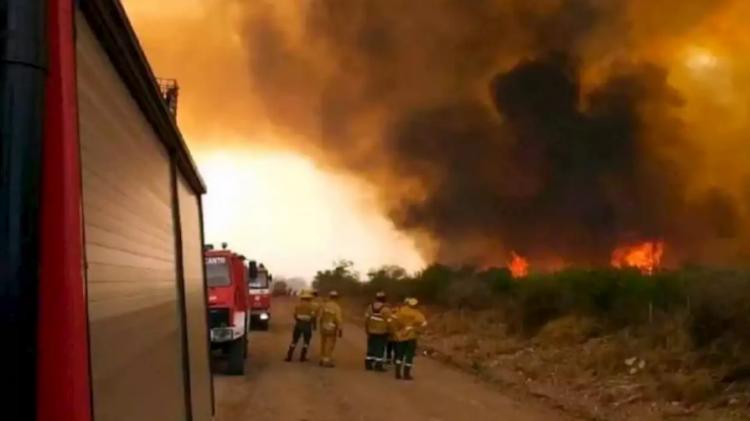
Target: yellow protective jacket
x=315, y=303
x=377, y=319
x=408, y=323
x=330, y=318
x=304, y=311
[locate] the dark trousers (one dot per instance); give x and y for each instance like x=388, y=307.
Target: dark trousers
x=376, y=347
x=405, y=352
x=304, y=330
x=390, y=351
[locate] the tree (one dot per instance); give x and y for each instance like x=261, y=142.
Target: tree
x=342, y=278
x=280, y=288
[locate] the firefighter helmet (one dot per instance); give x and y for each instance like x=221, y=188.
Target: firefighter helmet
x=411, y=302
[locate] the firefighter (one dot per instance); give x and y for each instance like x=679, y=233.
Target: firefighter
x=390, y=348
x=408, y=324
x=304, y=324
x=316, y=303
x=330, y=322
x=377, y=317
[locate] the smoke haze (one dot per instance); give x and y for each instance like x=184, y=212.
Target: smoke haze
x=558, y=128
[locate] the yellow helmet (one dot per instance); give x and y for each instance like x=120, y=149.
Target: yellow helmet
x=411, y=302
x=305, y=294
x=333, y=294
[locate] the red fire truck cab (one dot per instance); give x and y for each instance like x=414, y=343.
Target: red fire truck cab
x=259, y=287
x=228, y=319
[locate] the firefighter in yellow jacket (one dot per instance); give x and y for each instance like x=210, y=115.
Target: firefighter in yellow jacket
x=330, y=322
x=316, y=304
x=377, y=318
x=408, y=324
x=304, y=324
x=390, y=348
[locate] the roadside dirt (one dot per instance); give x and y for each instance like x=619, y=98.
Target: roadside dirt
x=272, y=389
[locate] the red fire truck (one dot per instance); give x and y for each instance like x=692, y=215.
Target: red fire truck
x=228, y=304
x=259, y=286
x=102, y=283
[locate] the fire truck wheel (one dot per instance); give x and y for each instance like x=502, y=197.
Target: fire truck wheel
x=263, y=325
x=236, y=360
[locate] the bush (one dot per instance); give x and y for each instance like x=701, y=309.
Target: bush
x=719, y=306
x=468, y=293
x=432, y=283
x=710, y=309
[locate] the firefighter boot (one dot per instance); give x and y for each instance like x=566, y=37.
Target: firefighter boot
x=368, y=364
x=398, y=371
x=379, y=366
x=289, y=354
x=407, y=373
x=303, y=355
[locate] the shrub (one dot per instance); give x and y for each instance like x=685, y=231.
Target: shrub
x=432, y=282
x=540, y=299
x=719, y=306
x=468, y=293
x=708, y=309
x=497, y=280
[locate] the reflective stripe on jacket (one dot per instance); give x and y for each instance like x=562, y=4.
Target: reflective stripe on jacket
x=304, y=311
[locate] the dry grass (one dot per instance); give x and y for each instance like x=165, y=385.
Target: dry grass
x=691, y=388
x=568, y=330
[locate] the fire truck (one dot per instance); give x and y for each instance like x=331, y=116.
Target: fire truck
x=102, y=285
x=228, y=305
x=259, y=287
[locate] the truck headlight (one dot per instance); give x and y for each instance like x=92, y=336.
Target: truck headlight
x=221, y=334
x=264, y=316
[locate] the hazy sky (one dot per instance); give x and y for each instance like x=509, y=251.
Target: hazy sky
x=442, y=110
x=268, y=201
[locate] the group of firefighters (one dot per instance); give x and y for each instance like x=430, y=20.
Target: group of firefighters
x=392, y=332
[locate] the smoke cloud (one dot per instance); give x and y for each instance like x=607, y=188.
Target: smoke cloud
x=556, y=128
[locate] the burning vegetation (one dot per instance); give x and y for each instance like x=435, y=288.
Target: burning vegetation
x=645, y=257
x=518, y=266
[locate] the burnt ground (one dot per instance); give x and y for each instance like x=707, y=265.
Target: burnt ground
x=272, y=389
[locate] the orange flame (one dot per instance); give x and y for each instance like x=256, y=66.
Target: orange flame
x=645, y=257
x=519, y=267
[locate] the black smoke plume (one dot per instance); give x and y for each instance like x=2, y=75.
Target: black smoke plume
x=491, y=126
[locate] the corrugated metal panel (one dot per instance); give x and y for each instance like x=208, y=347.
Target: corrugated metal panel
x=195, y=302
x=131, y=274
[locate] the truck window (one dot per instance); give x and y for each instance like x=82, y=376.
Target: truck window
x=217, y=272
x=260, y=282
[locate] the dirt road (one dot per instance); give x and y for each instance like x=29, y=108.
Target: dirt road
x=273, y=390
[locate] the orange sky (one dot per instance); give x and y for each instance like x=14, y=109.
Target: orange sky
x=280, y=150
x=268, y=201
